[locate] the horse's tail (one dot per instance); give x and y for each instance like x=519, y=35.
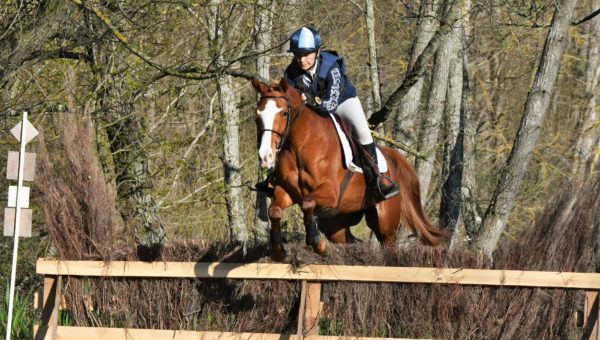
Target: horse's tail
x=414, y=217
x=413, y=214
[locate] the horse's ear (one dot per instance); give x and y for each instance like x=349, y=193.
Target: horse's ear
x=283, y=85
x=258, y=86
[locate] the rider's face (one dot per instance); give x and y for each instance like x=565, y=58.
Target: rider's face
x=305, y=60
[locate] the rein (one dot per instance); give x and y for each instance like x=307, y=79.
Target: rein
x=290, y=122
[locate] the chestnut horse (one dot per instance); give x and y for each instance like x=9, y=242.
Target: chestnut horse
x=301, y=147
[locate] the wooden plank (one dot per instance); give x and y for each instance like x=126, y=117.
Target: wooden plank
x=86, y=333
x=321, y=273
x=301, y=310
x=591, y=320
x=312, y=309
x=51, y=298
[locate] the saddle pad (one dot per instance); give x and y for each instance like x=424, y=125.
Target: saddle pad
x=347, y=152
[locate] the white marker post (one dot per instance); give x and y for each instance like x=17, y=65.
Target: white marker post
x=25, y=137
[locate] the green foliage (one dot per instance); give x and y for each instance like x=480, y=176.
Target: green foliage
x=23, y=314
x=328, y=326
x=65, y=318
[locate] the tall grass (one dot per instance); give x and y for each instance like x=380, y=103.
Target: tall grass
x=23, y=315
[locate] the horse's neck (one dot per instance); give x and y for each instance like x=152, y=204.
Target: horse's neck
x=312, y=129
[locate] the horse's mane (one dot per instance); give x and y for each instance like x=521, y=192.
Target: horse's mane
x=293, y=93
x=285, y=87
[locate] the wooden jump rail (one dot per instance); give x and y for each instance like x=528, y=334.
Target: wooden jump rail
x=310, y=276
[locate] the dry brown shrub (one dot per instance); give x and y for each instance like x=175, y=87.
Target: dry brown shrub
x=561, y=240
x=80, y=213
x=79, y=206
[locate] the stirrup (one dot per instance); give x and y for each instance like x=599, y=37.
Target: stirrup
x=385, y=192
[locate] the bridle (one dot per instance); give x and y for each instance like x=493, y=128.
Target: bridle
x=290, y=122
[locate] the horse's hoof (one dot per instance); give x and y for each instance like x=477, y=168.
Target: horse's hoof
x=320, y=248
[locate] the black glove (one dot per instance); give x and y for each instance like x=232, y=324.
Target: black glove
x=315, y=103
x=311, y=100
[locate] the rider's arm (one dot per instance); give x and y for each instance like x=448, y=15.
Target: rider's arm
x=334, y=84
x=328, y=99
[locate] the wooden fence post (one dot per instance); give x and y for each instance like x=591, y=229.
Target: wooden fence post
x=51, y=301
x=310, y=308
x=591, y=322
x=313, y=308
x=301, y=311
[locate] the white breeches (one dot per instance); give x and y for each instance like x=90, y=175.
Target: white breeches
x=351, y=111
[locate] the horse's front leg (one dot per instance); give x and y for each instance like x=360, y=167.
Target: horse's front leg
x=280, y=202
x=323, y=197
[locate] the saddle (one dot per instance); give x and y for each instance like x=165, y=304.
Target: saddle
x=351, y=148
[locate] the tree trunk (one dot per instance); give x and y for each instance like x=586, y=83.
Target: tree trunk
x=236, y=215
x=123, y=133
x=469, y=217
x=454, y=128
x=596, y=232
x=230, y=117
x=496, y=216
x=430, y=124
x=263, y=22
x=586, y=145
x=126, y=133
x=373, y=65
x=407, y=110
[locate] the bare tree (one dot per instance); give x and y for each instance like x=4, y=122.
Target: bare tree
x=373, y=65
x=126, y=139
x=586, y=144
x=454, y=121
x=414, y=74
x=430, y=122
x=468, y=218
x=263, y=22
x=230, y=117
x=24, y=32
x=407, y=109
x=498, y=211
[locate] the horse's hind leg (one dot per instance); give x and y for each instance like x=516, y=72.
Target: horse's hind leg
x=384, y=221
x=337, y=229
x=280, y=202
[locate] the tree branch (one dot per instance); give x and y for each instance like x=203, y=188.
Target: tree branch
x=398, y=145
x=192, y=73
x=589, y=17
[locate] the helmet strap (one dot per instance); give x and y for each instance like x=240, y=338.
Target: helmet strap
x=316, y=59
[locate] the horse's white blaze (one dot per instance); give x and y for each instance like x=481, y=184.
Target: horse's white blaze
x=265, y=150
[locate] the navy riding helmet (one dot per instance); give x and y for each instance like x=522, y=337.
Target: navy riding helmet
x=305, y=40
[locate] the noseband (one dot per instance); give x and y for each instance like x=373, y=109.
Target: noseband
x=290, y=123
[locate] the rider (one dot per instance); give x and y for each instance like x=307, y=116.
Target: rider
x=320, y=76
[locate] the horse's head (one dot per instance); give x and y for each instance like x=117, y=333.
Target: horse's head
x=274, y=112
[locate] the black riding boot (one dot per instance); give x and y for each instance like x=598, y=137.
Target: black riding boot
x=381, y=191
x=263, y=186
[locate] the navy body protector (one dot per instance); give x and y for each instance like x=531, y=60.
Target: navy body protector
x=328, y=59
